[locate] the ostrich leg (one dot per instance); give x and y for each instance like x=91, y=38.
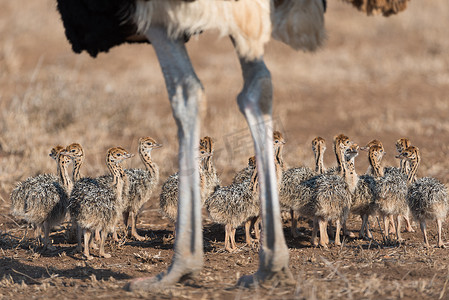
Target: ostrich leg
x=255, y=102
x=186, y=94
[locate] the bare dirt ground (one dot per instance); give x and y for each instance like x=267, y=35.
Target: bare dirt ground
x=377, y=77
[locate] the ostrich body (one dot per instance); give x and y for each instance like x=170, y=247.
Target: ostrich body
x=426, y=197
x=97, y=26
x=238, y=203
x=341, y=144
x=391, y=201
x=76, y=153
x=141, y=183
x=391, y=189
x=234, y=205
x=43, y=200
x=290, y=186
x=328, y=197
x=96, y=204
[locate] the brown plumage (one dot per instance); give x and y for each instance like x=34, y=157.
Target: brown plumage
x=402, y=144
x=341, y=144
x=54, y=151
x=384, y=7
x=76, y=153
x=318, y=148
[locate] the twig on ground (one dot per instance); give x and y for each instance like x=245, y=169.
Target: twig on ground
x=443, y=290
x=11, y=219
x=23, y=274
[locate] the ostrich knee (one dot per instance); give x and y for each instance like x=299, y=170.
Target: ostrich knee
x=257, y=92
x=186, y=99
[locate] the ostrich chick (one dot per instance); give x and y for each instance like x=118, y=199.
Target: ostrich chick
x=141, y=184
x=42, y=200
x=98, y=203
x=426, y=197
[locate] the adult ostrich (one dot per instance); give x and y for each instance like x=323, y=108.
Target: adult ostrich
x=97, y=25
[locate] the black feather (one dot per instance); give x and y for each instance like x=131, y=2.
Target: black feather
x=96, y=25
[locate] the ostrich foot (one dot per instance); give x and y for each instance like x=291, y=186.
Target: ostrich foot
x=267, y=279
x=163, y=280
x=409, y=229
x=323, y=243
x=231, y=249
x=138, y=237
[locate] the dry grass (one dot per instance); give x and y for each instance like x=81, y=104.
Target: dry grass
x=377, y=77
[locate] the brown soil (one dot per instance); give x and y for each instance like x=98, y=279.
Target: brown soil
x=377, y=77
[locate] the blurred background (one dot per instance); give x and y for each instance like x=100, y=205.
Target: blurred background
x=376, y=77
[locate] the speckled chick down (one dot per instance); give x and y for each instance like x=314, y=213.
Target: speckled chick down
x=43, y=198
x=98, y=203
x=168, y=199
x=142, y=182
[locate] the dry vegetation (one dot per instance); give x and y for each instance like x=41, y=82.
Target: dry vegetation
x=377, y=77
